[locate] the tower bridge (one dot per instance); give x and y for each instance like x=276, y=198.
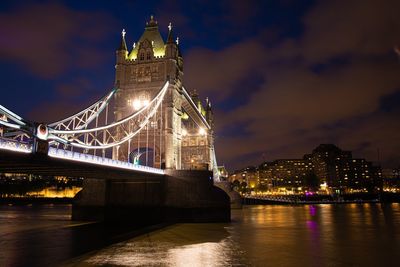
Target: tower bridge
x=148, y=130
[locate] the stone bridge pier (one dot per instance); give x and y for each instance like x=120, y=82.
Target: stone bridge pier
x=177, y=196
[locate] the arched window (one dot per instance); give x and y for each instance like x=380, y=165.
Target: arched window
x=141, y=56
x=148, y=56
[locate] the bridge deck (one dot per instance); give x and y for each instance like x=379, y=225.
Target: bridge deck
x=17, y=157
x=15, y=162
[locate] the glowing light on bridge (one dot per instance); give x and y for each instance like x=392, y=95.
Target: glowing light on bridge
x=86, y=158
x=138, y=104
x=86, y=132
x=202, y=131
x=15, y=146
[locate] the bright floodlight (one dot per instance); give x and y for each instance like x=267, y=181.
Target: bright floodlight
x=202, y=131
x=184, y=132
x=136, y=104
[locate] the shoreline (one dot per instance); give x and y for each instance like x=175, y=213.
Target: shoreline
x=322, y=199
x=35, y=200
x=246, y=200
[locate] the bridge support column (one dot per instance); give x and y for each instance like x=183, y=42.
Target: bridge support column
x=235, y=198
x=138, y=199
x=178, y=196
x=192, y=197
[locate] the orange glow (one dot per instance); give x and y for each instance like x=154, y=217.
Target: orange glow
x=52, y=192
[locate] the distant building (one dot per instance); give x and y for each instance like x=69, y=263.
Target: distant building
x=249, y=176
x=396, y=173
x=340, y=171
x=284, y=173
x=391, y=180
x=326, y=168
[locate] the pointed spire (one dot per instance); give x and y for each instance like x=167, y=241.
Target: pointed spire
x=208, y=103
x=122, y=46
x=170, y=38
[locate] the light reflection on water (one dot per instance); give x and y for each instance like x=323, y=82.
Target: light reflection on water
x=178, y=245
x=310, y=235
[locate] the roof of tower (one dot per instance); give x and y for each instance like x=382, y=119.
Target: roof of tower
x=152, y=34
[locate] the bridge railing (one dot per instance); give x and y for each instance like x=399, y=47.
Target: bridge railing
x=76, y=156
x=14, y=145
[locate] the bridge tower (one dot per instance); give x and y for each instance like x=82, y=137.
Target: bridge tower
x=139, y=76
x=140, y=73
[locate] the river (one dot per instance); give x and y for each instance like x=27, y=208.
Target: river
x=270, y=235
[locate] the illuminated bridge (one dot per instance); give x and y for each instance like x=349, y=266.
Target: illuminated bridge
x=146, y=147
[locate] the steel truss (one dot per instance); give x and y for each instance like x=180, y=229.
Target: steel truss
x=110, y=135
x=83, y=118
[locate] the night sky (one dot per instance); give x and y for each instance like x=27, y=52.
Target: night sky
x=283, y=76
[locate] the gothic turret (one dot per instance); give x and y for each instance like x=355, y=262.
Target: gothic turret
x=171, y=48
x=209, y=113
x=122, y=46
x=122, y=51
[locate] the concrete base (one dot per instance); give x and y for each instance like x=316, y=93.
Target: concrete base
x=179, y=196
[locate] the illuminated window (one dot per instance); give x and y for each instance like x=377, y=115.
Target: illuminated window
x=153, y=124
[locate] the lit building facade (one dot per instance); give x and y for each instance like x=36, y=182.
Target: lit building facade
x=172, y=140
x=249, y=176
x=289, y=173
x=327, y=167
x=196, y=144
x=341, y=172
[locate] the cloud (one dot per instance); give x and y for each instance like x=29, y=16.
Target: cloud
x=72, y=97
x=324, y=86
x=218, y=72
x=356, y=27
x=50, y=39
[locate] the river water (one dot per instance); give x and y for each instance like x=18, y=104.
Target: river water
x=309, y=235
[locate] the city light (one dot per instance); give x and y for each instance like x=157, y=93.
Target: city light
x=138, y=104
x=184, y=132
x=75, y=156
x=202, y=131
x=12, y=145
